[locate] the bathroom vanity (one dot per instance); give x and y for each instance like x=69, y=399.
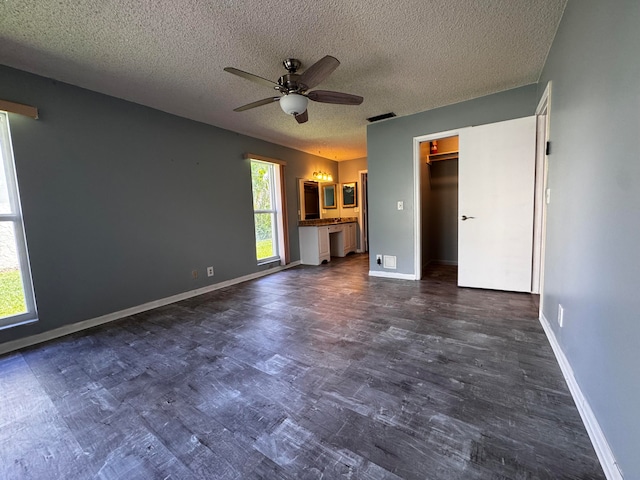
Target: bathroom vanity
x=323, y=238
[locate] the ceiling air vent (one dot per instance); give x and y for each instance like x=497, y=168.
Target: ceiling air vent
x=384, y=116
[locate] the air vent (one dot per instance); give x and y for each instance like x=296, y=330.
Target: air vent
x=381, y=117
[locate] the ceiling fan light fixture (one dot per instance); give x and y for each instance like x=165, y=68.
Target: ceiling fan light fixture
x=294, y=88
x=293, y=103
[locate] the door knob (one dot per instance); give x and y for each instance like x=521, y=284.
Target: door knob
x=464, y=217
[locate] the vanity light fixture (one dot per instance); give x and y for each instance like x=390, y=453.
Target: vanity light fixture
x=322, y=176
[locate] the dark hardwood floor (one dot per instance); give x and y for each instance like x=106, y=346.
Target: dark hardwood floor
x=313, y=372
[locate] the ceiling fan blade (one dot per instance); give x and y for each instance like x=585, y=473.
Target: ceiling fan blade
x=250, y=76
x=302, y=117
x=259, y=103
x=320, y=70
x=325, y=96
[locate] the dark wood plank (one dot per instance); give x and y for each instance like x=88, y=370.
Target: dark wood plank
x=308, y=373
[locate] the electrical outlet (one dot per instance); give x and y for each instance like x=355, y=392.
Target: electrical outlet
x=209, y=271
x=400, y=205
x=194, y=274
x=379, y=259
x=560, y=315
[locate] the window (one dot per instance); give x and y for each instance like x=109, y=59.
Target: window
x=269, y=209
x=17, y=304
x=265, y=211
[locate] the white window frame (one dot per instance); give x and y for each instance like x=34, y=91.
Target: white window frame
x=15, y=217
x=275, y=211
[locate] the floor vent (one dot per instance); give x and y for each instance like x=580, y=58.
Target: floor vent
x=389, y=261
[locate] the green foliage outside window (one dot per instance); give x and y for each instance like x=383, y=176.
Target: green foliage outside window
x=262, y=200
x=260, y=181
x=11, y=294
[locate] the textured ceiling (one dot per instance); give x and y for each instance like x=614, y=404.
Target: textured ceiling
x=404, y=56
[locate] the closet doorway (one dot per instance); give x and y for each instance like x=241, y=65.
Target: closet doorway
x=439, y=201
x=495, y=204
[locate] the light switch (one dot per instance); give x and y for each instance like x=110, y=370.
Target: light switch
x=400, y=205
x=548, y=195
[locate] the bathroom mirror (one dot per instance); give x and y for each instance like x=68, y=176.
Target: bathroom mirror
x=308, y=199
x=329, y=196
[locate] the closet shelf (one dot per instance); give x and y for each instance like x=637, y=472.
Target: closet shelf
x=442, y=156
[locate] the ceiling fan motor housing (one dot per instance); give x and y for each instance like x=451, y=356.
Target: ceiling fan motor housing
x=290, y=83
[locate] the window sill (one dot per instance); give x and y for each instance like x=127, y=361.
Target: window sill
x=18, y=320
x=269, y=261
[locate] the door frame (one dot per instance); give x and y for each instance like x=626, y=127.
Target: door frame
x=417, y=196
x=363, y=214
x=540, y=219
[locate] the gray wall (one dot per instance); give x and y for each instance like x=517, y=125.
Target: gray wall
x=349, y=169
x=390, y=164
x=592, y=263
x=121, y=202
x=427, y=213
x=440, y=212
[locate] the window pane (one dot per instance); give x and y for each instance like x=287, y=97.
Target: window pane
x=261, y=184
x=12, y=300
x=5, y=206
x=15, y=302
x=265, y=244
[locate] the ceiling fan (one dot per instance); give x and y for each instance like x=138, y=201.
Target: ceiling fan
x=294, y=87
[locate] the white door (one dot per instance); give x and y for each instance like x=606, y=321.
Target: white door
x=495, y=205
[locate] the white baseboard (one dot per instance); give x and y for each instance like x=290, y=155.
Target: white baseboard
x=599, y=441
x=399, y=276
x=110, y=317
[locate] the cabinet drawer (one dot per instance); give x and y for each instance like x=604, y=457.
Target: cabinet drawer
x=335, y=228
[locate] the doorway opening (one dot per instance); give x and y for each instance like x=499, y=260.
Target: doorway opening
x=438, y=205
x=493, y=217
